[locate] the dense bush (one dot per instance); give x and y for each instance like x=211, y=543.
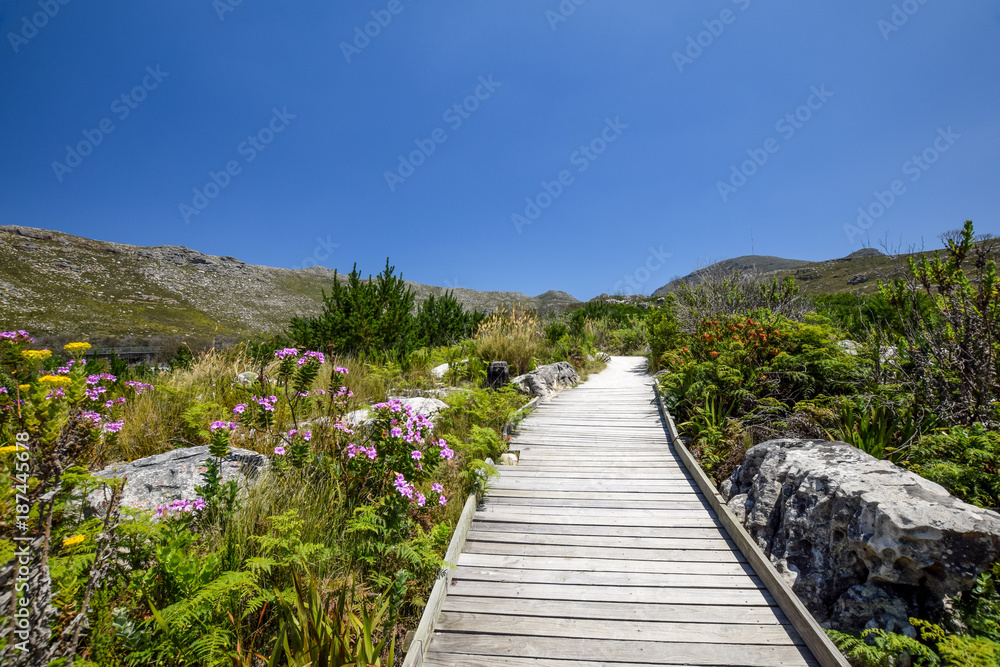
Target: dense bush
x=361, y=317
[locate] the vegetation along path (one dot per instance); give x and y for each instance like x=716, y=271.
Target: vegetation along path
x=599, y=548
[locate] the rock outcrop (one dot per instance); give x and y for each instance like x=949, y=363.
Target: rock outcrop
x=545, y=380
x=163, y=478
x=863, y=542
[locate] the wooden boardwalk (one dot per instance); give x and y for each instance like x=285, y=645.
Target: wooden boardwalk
x=599, y=549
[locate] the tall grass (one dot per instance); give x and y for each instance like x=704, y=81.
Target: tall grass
x=512, y=334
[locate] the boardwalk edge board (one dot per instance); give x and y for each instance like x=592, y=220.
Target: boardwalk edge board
x=421, y=638
x=822, y=648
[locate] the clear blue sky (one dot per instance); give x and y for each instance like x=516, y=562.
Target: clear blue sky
x=673, y=128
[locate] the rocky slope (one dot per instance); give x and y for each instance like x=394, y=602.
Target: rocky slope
x=858, y=272
x=57, y=284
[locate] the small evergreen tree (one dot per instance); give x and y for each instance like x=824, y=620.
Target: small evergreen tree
x=361, y=317
x=443, y=321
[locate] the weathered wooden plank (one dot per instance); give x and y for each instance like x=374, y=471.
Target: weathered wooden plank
x=616, y=531
x=505, y=514
x=642, y=652
x=609, y=578
x=601, y=565
x=649, y=631
x=703, y=543
x=621, y=611
x=676, y=555
x=691, y=596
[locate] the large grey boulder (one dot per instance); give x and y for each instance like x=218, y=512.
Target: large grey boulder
x=863, y=542
x=164, y=478
x=545, y=380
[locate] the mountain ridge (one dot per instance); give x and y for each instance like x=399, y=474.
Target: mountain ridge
x=52, y=283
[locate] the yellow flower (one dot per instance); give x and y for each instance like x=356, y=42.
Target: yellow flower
x=8, y=449
x=76, y=349
x=73, y=541
x=54, y=380
x=24, y=387
x=36, y=355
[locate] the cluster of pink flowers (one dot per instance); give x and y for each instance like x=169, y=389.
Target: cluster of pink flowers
x=92, y=416
x=446, y=452
x=279, y=450
x=316, y=356
x=115, y=426
x=240, y=408
x=94, y=393
x=353, y=450
x=139, y=387
x=341, y=426
x=305, y=435
x=415, y=425
x=94, y=379
x=341, y=370
x=20, y=336
x=285, y=353
x=186, y=506
x=3, y=390
x=407, y=490
x=58, y=392
x=216, y=425
x=267, y=403
x=63, y=370
x=112, y=402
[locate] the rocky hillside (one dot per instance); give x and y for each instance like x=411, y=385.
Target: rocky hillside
x=858, y=272
x=56, y=284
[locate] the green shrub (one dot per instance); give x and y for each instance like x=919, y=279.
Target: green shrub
x=361, y=317
x=964, y=460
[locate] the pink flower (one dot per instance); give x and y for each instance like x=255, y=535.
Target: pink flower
x=352, y=450
x=216, y=425
x=341, y=370
x=421, y=501
x=199, y=504
x=93, y=379
x=443, y=501
x=240, y=407
x=416, y=455
x=372, y=453
x=396, y=432
x=92, y=416
x=280, y=451
x=55, y=393
x=287, y=352
x=114, y=427
x=436, y=488
x=307, y=435
x=3, y=390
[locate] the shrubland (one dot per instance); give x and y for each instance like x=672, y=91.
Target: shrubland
x=334, y=552
x=907, y=374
